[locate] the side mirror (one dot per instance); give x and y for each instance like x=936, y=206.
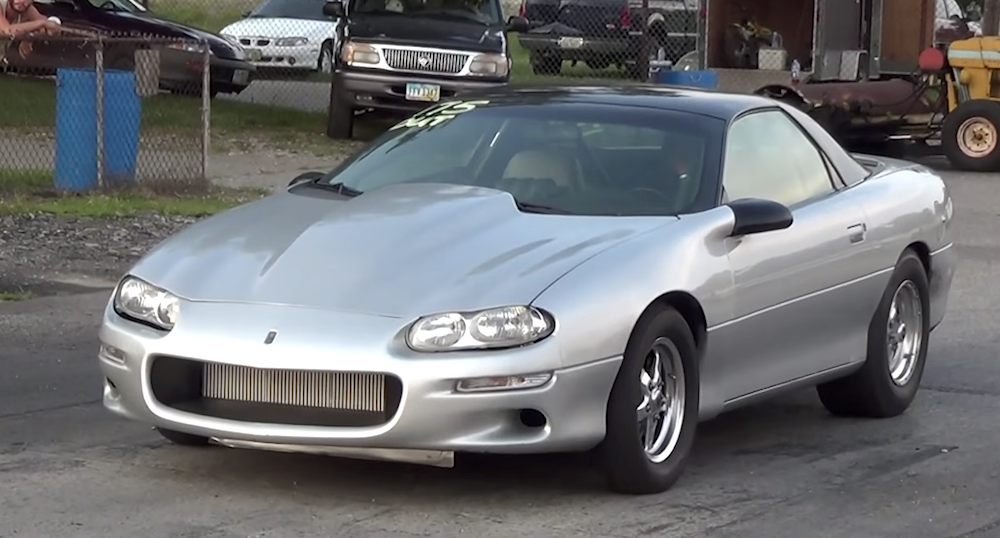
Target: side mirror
x=754, y=215
x=305, y=177
x=334, y=8
x=245, y=14
x=517, y=24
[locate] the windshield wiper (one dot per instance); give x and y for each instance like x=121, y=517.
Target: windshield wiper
x=539, y=208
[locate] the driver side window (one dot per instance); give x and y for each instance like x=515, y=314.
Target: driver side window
x=769, y=157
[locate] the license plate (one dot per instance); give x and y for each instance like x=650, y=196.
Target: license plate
x=241, y=76
x=423, y=92
x=254, y=55
x=570, y=42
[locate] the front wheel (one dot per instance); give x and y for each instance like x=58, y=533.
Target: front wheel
x=341, y=125
x=652, y=412
x=897, y=350
x=969, y=136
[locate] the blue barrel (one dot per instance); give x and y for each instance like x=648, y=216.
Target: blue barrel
x=76, y=128
x=694, y=79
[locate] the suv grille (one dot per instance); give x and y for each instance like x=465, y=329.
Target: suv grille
x=425, y=61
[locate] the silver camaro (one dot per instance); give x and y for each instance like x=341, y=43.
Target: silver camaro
x=543, y=270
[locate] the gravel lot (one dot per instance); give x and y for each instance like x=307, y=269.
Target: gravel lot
x=784, y=469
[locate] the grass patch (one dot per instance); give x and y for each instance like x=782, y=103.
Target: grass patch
x=31, y=102
x=32, y=191
x=14, y=296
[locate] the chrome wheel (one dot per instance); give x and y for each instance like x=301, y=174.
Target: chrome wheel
x=904, y=332
x=661, y=411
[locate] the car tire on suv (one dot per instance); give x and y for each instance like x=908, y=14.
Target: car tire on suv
x=341, y=124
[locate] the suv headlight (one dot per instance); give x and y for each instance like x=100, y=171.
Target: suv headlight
x=143, y=302
x=490, y=65
x=506, y=326
x=360, y=54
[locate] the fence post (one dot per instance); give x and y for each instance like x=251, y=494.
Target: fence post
x=643, y=59
x=206, y=103
x=99, y=109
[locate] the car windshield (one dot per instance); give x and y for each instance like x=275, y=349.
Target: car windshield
x=485, y=12
x=574, y=158
x=290, y=9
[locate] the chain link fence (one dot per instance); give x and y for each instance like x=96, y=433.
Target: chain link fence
x=81, y=111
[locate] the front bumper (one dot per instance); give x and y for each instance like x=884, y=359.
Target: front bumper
x=423, y=409
x=387, y=91
x=184, y=69
x=305, y=57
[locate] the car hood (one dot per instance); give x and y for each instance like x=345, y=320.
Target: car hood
x=281, y=27
x=422, y=32
x=150, y=23
x=400, y=251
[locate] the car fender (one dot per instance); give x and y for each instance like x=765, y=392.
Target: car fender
x=596, y=304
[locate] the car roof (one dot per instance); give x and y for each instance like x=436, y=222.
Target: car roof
x=716, y=104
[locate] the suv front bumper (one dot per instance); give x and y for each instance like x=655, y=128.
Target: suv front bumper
x=387, y=91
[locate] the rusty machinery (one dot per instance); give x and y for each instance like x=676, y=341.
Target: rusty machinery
x=950, y=105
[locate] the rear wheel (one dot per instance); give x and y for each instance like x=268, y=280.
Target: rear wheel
x=546, y=65
x=970, y=136
x=184, y=439
x=652, y=412
x=897, y=350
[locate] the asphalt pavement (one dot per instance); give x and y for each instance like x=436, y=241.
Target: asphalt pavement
x=780, y=469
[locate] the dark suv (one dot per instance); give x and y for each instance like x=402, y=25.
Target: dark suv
x=405, y=55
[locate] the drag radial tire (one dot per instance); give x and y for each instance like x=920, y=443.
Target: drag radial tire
x=658, y=377
x=897, y=350
x=180, y=438
x=970, y=136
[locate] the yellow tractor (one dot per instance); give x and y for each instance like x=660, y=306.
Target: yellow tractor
x=950, y=105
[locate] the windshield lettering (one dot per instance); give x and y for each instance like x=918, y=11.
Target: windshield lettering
x=438, y=114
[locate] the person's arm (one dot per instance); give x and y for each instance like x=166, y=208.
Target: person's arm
x=35, y=22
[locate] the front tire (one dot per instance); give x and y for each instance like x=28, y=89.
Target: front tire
x=652, y=412
x=970, y=136
x=341, y=125
x=897, y=350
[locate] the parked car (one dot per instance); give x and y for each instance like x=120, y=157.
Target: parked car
x=180, y=63
x=606, y=32
x=287, y=35
x=542, y=270
x=405, y=55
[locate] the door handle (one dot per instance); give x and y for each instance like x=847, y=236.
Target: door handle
x=856, y=232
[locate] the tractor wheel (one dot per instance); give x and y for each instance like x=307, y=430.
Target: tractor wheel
x=970, y=136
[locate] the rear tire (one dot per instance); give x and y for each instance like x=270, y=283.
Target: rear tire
x=546, y=65
x=633, y=466
x=887, y=383
x=183, y=439
x=970, y=136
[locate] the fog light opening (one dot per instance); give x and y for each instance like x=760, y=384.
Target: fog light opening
x=533, y=418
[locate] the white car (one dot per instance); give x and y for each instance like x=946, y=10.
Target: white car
x=286, y=35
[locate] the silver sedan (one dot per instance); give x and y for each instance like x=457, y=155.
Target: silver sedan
x=542, y=270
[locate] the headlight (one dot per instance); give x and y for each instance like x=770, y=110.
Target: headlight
x=291, y=41
x=187, y=47
x=359, y=54
x=494, y=65
x=494, y=328
x=143, y=302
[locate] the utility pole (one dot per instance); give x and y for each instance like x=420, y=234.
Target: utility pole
x=991, y=17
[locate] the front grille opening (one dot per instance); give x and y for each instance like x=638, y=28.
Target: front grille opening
x=275, y=396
